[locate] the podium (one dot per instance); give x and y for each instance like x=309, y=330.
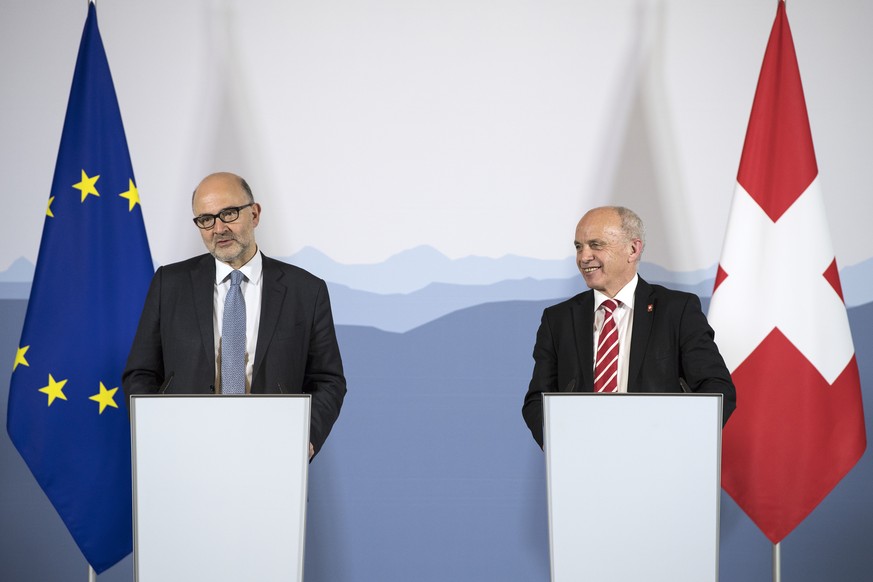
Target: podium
x=219, y=487
x=633, y=486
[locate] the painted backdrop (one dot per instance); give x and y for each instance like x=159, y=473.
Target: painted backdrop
x=430, y=161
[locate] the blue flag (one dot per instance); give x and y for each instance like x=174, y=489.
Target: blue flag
x=67, y=414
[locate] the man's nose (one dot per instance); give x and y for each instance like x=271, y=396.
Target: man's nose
x=220, y=226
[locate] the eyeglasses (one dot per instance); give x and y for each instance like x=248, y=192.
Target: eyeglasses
x=226, y=215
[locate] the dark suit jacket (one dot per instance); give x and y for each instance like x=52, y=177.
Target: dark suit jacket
x=672, y=340
x=297, y=351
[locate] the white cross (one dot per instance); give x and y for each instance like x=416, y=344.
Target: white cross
x=775, y=279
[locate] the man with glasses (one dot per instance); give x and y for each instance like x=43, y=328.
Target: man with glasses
x=235, y=321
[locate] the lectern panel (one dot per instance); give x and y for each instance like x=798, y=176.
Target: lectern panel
x=633, y=486
x=219, y=487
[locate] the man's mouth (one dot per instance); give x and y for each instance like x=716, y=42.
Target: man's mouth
x=587, y=270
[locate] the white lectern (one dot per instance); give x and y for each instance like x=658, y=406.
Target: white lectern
x=633, y=486
x=219, y=487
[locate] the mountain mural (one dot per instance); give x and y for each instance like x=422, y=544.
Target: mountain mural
x=427, y=271
x=421, y=285
x=402, y=312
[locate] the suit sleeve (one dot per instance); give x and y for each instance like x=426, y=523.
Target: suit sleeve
x=701, y=364
x=544, y=379
x=144, y=372
x=323, y=379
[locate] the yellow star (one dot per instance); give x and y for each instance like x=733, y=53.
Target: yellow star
x=105, y=398
x=87, y=185
x=48, y=210
x=19, y=358
x=132, y=196
x=54, y=390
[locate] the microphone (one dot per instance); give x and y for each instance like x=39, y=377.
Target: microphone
x=166, y=383
x=684, y=385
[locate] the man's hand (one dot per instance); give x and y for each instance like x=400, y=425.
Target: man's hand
x=311, y=451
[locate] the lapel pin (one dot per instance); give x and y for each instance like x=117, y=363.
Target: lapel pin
x=651, y=307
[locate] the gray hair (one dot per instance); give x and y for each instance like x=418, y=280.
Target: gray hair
x=631, y=224
x=248, y=190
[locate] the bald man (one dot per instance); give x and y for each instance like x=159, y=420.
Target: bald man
x=289, y=342
x=663, y=340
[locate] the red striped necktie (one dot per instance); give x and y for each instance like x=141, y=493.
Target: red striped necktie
x=606, y=362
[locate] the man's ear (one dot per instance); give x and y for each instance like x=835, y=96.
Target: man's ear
x=256, y=214
x=636, y=250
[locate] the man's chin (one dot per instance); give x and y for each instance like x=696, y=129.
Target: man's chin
x=228, y=255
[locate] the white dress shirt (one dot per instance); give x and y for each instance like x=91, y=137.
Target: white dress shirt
x=624, y=323
x=252, y=286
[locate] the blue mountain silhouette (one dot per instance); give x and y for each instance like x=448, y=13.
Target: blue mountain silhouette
x=421, y=284
x=402, y=312
x=414, y=269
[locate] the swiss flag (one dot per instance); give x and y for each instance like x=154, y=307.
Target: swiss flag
x=779, y=316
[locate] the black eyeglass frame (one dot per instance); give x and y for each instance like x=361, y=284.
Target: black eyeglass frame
x=219, y=216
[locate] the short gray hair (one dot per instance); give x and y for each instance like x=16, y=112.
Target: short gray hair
x=631, y=224
x=247, y=188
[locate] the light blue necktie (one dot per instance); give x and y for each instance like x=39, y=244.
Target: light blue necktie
x=233, y=339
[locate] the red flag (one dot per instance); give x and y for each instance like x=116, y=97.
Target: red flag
x=779, y=316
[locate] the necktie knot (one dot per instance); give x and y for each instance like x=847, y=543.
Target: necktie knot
x=236, y=278
x=610, y=305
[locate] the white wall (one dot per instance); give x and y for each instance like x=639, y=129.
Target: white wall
x=477, y=127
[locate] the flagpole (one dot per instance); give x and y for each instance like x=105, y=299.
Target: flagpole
x=92, y=575
x=777, y=563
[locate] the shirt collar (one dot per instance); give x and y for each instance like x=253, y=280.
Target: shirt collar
x=625, y=295
x=251, y=270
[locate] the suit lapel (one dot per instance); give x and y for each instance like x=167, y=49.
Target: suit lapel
x=642, y=329
x=203, y=288
x=272, y=298
x=583, y=329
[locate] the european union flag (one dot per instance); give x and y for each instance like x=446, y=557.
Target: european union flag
x=67, y=414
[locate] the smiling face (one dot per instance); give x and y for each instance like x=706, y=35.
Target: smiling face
x=234, y=242
x=605, y=254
